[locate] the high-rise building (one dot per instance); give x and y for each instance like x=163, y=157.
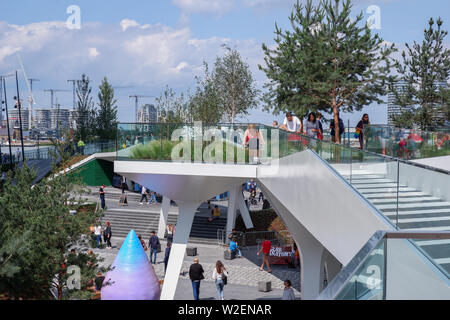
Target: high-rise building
x=147, y=113
x=42, y=119
x=14, y=120
x=394, y=109
x=59, y=118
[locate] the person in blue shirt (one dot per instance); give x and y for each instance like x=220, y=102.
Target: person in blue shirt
x=234, y=248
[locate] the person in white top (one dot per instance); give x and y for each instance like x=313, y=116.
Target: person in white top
x=98, y=234
x=220, y=275
x=292, y=123
x=144, y=195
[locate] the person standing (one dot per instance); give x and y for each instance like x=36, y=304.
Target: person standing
x=319, y=121
x=292, y=123
x=107, y=233
x=98, y=234
x=288, y=292
x=360, y=129
x=312, y=126
x=275, y=124
x=102, y=196
x=265, y=249
x=169, y=229
x=196, y=275
x=143, y=195
x=220, y=276
x=123, y=184
x=153, y=244
x=341, y=130
x=167, y=255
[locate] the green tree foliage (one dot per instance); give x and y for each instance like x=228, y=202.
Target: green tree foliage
x=106, y=120
x=173, y=108
x=424, y=68
x=327, y=62
x=37, y=232
x=205, y=102
x=234, y=85
x=85, y=122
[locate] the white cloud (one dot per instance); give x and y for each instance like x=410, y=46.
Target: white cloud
x=127, y=23
x=93, y=53
x=145, y=56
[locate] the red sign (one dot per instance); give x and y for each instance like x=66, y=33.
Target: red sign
x=280, y=255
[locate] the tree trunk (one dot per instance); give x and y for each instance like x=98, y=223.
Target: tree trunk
x=337, y=136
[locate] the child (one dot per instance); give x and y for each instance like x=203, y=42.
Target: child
x=288, y=292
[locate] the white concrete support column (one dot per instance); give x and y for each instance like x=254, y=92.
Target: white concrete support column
x=243, y=209
x=183, y=228
x=332, y=266
x=311, y=250
x=163, y=217
x=231, y=212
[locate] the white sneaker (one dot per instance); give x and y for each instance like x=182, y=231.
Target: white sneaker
x=141, y=203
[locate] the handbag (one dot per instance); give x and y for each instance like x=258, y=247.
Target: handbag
x=224, y=279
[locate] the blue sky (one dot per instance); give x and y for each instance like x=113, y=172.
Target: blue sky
x=148, y=44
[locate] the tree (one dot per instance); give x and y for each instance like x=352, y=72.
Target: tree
x=424, y=72
x=173, y=108
x=36, y=222
x=234, y=85
x=205, y=103
x=106, y=118
x=327, y=62
x=85, y=121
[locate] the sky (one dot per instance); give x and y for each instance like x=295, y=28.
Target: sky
x=143, y=45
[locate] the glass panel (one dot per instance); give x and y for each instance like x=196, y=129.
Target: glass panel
x=368, y=281
x=407, y=143
x=438, y=252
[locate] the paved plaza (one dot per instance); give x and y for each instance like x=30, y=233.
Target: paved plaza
x=243, y=273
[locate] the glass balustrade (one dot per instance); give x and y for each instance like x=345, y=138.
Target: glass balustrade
x=406, y=144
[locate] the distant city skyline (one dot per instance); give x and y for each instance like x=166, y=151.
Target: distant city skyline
x=142, y=46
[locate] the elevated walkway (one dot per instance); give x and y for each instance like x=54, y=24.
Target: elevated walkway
x=331, y=198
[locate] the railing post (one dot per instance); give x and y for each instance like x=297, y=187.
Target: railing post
x=398, y=191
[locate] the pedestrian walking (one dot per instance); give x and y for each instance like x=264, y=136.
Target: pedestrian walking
x=220, y=276
x=265, y=249
x=167, y=255
x=143, y=195
x=360, y=129
x=123, y=184
x=152, y=197
x=196, y=274
x=288, y=292
x=107, y=234
x=153, y=244
x=98, y=234
x=102, y=196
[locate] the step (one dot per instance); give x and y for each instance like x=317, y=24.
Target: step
x=386, y=190
x=417, y=200
x=362, y=186
x=394, y=194
x=406, y=206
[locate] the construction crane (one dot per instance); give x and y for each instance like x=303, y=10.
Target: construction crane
x=73, y=82
x=52, y=91
x=137, y=97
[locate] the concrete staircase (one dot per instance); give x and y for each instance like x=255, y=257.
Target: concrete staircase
x=145, y=219
x=417, y=211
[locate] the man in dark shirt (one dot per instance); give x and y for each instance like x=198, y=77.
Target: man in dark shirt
x=196, y=275
x=153, y=244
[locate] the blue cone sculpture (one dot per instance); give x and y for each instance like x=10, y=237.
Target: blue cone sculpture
x=132, y=276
